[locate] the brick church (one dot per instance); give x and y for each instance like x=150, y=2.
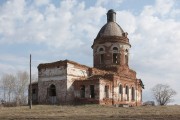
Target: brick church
x=109, y=82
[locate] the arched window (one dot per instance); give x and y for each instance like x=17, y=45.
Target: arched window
x=101, y=49
x=126, y=57
x=106, y=91
x=102, y=58
x=141, y=95
x=132, y=93
x=52, y=90
x=101, y=55
x=127, y=92
x=115, y=55
x=115, y=48
x=120, y=89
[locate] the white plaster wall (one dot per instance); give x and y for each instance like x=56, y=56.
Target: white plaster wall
x=116, y=93
x=130, y=94
x=137, y=95
x=73, y=72
x=124, y=95
x=101, y=90
x=53, y=73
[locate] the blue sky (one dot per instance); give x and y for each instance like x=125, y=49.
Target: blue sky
x=53, y=30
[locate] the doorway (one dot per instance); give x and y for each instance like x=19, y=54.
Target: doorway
x=92, y=94
x=52, y=94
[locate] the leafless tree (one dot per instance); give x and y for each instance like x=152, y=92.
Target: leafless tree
x=8, y=84
x=15, y=87
x=21, y=88
x=163, y=94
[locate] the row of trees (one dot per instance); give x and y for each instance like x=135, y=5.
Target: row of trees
x=15, y=87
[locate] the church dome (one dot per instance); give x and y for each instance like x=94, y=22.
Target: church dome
x=111, y=28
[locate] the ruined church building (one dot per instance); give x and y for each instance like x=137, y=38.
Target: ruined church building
x=109, y=82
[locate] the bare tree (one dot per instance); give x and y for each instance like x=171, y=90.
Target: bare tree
x=15, y=88
x=8, y=84
x=163, y=94
x=21, y=87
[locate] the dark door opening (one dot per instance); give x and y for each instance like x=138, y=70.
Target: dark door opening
x=92, y=94
x=52, y=94
x=82, y=91
x=106, y=90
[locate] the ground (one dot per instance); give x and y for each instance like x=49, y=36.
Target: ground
x=90, y=112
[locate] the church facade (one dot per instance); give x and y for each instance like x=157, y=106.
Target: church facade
x=109, y=82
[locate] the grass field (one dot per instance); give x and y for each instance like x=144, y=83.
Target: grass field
x=89, y=112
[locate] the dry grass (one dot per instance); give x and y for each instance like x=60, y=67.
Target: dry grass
x=88, y=112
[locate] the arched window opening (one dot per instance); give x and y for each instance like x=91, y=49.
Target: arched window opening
x=102, y=58
x=106, y=91
x=120, y=89
x=101, y=55
x=115, y=55
x=141, y=95
x=101, y=50
x=115, y=58
x=82, y=91
x=132, y=93
x=127, y=92
x=52, y=90
x=115, y=48
x=126, y=59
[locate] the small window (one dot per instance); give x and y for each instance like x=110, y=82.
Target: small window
x=127, y=93
x=115, y=58
x=127, y=90
x=115, y=48
x=101, y=58
x=120, y=89
x=126, y=59
x=101, y=49
x=132, y=93
x=141, y=96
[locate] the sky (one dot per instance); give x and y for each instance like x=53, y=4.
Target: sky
x=53, y=30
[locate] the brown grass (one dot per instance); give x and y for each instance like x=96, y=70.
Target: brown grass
x=90, y=112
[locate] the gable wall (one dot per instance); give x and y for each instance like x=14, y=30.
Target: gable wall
x=74, y=72
x=56, y=75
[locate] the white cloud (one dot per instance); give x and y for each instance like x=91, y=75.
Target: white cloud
x=54, y=26
x=164, y=6
x=41, y=2
x=108, y=2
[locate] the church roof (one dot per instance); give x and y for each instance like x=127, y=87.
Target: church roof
x=110, y=29
x=60, y=63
